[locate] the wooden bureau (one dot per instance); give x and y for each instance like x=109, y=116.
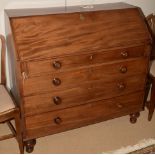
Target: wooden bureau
x=76, y=66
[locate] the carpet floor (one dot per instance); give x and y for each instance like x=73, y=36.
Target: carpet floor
x=147, y=150
x=98, y=138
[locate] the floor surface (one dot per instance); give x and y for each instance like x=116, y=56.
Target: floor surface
x=102, y=137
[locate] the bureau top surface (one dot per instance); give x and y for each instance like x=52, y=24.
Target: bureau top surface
x=66, y=9
x=50, y=35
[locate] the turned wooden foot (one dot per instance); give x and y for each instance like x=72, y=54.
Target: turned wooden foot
x=30, y=145
x=133, y=117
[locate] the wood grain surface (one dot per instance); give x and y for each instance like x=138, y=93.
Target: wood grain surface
x=72, y=69
x=44, y=124
x=42, y=67
x=83, y=94
x=76, y=78
x=65, y=34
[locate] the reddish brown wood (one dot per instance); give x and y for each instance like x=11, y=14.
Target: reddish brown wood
x=3, y=51
x=45, y=66
x=133, y=117
x=151, y=22
x=33, y=41
x=78, y=116
x=151, y=103
x=76, y=78
x=10, y=125
x=74, y=69
x=151, y=79
x=86, y=93
x=30, y=145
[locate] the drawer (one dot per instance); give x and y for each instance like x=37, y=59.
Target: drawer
x=62, y=120
x=72, y=79
x=42, y=67
x=89, y=92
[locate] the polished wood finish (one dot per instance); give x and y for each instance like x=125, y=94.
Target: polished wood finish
x=133, y=117
x=46, y=66
x=151, y=22
x=34, y=42
x=62, y=120
x=5, y=137
x=15, y=72
x=30, y=145
x=70, y=97
x=13, y=113
x=77, y=67
x=75, y=78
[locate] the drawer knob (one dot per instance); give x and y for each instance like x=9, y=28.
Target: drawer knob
x=124, y=54
x=121, y=86
x=56, y=81
x=58, y=120
x=123, y=69
x=57, y=100
x=57, y=64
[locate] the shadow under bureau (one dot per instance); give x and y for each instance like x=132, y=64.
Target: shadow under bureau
x=75, y=67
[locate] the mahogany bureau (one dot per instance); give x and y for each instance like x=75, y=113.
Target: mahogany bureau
x=77, y=66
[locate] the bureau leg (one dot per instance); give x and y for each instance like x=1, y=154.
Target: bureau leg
x=133, y=117
x=30, y=145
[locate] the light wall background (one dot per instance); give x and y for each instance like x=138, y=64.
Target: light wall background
x=148, y=6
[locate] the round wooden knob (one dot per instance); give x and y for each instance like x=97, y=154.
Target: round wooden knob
x=124, y=54
x=121, y=86
x=56, y=81
x=57, y=100
x=57, y=64
x=123, y=69
x=58, y=120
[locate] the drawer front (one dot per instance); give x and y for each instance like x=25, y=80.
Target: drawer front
x=62, y=120
x=89, y=92
x=72, y=79
x=60, y=64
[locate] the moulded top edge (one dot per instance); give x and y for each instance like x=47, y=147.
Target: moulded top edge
x=68, y=9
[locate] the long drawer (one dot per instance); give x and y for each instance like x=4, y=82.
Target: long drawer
x=89, y=92
x=59, y=64
x=62, y=120
x=71, y=79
